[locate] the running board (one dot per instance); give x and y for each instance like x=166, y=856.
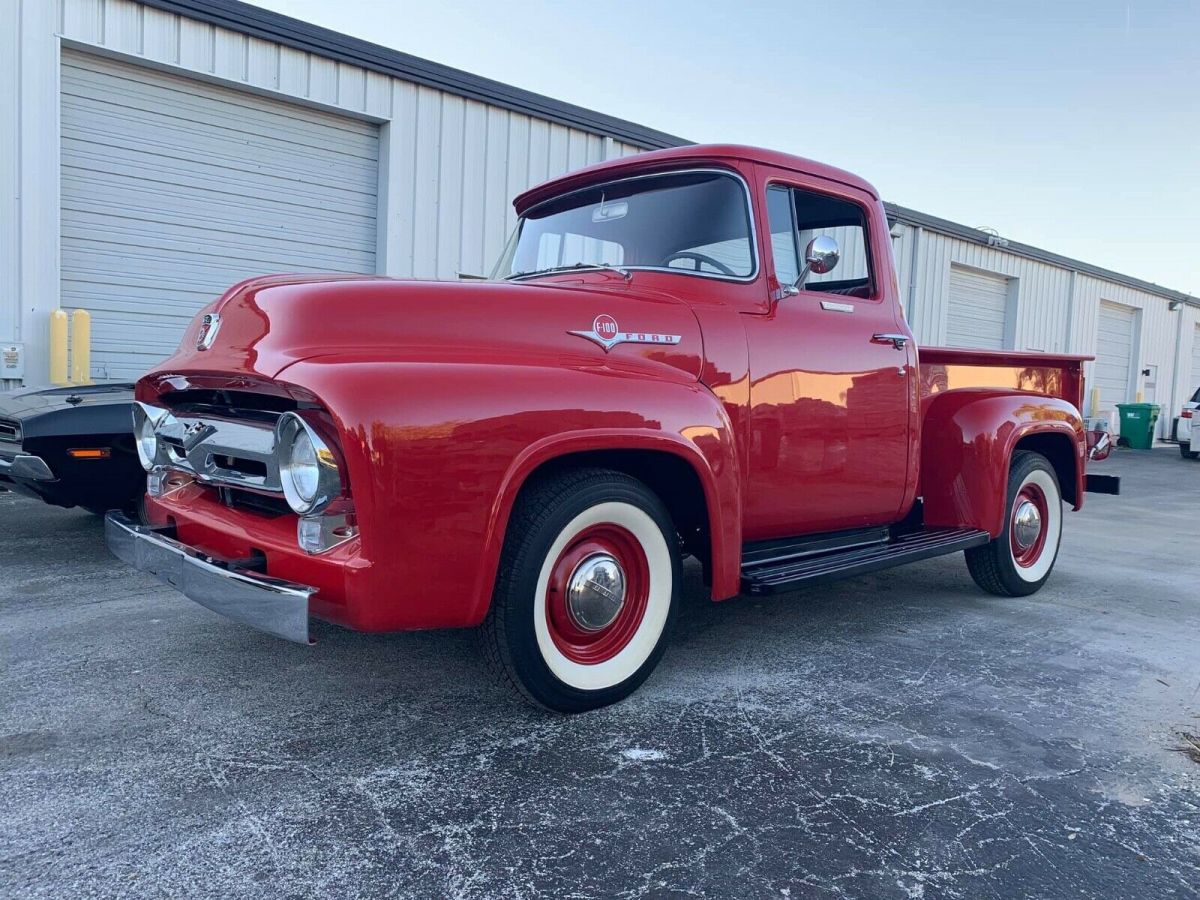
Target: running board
x=774, y=576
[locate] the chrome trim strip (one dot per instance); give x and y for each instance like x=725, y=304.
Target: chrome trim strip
x=269, y=604
x=729, y=173
x=31, y=468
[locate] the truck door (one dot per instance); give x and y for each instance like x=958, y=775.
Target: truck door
x=830, y=394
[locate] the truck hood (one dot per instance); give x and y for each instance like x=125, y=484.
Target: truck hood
x=267, y=324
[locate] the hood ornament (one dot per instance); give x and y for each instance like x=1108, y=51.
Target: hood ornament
x=209, y=326
x=608, y=334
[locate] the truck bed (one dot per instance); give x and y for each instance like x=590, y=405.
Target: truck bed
x=1049, y=374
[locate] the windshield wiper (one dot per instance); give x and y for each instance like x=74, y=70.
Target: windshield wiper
x=624, y=273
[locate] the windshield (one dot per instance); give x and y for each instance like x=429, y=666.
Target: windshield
x=695, y=223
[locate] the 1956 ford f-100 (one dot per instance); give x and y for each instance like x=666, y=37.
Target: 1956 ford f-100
x=693, y=351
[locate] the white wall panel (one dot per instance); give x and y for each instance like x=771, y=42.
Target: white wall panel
x=29, y=175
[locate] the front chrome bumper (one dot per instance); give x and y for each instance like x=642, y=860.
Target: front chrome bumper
x=269, y=604
x=23, y=465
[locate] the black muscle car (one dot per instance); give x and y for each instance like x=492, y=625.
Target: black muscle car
x=72, y=446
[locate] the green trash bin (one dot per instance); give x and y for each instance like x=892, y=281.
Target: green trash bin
x=1137, y=424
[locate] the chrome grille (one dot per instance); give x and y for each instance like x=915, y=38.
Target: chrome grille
x=224, y=453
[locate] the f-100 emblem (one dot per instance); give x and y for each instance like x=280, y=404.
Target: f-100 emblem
x=607, y=334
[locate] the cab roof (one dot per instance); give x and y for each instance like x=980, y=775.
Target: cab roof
x=658, y=160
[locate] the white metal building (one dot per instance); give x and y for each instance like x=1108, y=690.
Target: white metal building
x=155, y=152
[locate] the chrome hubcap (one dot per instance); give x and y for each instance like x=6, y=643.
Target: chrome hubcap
x=596, y=592
x=1027, y=524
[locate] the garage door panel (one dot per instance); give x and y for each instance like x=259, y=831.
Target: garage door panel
x=214, y=174
x=98, y=189
x=193, y=148
x=977, y=314
x=251, y=246
x=165, y=99
x=288, y=223
x=213, y=274
x=174, y=189
x=1115, y=329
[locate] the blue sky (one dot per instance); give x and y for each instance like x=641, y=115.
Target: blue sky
x=1073, y=125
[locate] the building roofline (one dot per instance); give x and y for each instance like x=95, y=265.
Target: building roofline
x=964, y=232
x=300, y=35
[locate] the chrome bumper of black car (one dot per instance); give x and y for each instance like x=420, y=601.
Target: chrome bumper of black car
x=23, y=465
x=269, y=604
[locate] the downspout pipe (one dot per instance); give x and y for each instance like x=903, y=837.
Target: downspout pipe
x=911, y=294
x=1175, y=404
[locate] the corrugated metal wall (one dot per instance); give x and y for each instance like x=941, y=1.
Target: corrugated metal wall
x=449, y=168
x=453, y=164
x=1057, y=309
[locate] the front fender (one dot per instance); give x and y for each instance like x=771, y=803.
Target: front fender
x=437, y=453
x=968, y=439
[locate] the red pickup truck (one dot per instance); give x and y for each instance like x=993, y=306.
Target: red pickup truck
x=696, y=351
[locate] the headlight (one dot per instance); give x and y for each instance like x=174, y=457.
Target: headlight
x=307, y=467
x=146, y=420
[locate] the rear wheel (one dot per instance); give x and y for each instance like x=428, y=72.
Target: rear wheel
x=586, y=590
x=1186, y=451
x=1019, y=561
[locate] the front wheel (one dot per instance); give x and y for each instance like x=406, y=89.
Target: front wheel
x=586, y=590
x=1018, y=562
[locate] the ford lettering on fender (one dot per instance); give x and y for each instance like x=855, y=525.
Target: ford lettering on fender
x=692, y=352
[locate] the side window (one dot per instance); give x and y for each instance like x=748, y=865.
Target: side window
x=783, y=235
x=796, y=217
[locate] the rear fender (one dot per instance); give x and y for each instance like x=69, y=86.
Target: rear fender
x=968, y=440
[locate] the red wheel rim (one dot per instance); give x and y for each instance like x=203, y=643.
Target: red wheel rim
x=1026, y=556
x=591, y=647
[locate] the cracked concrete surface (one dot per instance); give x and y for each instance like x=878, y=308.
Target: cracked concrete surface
x=899, y=735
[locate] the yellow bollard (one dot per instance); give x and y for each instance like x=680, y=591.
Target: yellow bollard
x=1095, y=401
x=58, y=347
x=81, y=347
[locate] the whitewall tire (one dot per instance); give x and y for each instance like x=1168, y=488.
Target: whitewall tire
x=586, y=590
x=1020, y=559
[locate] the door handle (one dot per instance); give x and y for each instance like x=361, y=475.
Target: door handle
x=896, y=340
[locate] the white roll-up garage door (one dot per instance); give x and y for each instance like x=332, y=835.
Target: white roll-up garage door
x=1116, y=328
x=173, y=189
x=1194, y=384
x=977, y=315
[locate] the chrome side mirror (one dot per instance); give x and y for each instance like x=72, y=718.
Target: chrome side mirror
x=821, y=256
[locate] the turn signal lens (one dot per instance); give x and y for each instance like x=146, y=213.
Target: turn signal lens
x=90, y=453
